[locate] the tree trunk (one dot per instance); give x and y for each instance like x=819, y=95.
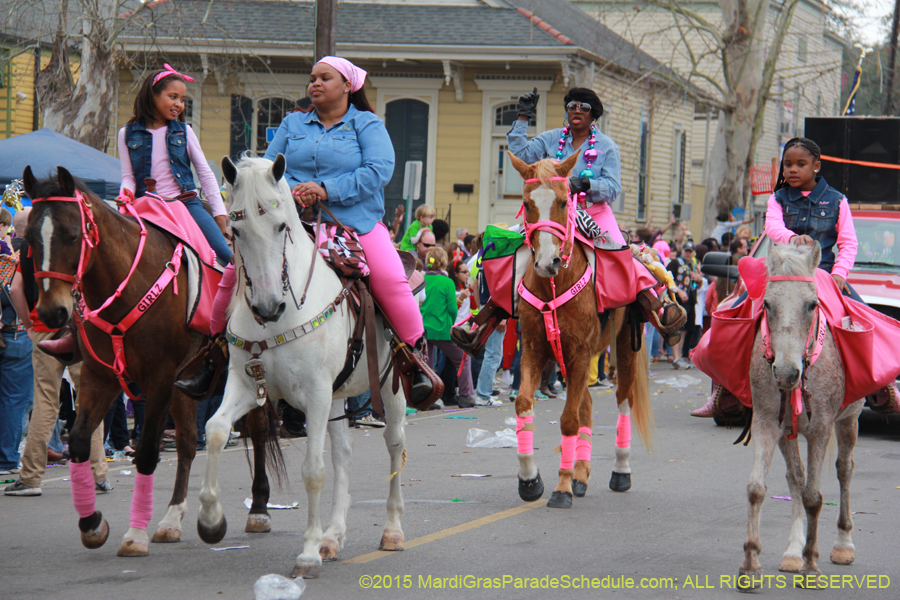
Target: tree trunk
x=742, y=58
x=82, y=110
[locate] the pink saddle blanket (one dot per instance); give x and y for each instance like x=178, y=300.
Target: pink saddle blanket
x=869, y=349
x=199, y=257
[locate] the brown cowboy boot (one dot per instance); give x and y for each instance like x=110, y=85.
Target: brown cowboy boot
x=200, y=385
x=421, y=384
x=485, y=322
x=669, y=322
x=887, y=400
x=722, y=404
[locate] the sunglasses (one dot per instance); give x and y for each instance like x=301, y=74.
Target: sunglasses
x=428, y=245
x=579, y=106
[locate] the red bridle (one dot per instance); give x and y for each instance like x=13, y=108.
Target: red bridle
x=89, y=238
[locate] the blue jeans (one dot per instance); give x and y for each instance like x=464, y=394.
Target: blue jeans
x=354, y=403
x=210, y=229
x=16, y=391
x=493, y=356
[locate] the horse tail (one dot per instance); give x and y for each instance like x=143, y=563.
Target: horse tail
x=261, y=425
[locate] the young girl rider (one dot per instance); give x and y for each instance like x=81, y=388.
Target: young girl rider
x=597, y=175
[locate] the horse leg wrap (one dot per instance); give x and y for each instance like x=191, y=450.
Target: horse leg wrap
x=525, y=434
x=83, y=493
x=623, y=431
x=583, y=446
x=142, y=501
x=567, y=457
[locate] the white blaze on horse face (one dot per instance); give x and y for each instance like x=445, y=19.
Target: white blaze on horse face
x=543, y=198
x=46, y=239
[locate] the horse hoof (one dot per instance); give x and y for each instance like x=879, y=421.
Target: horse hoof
x=579, y=488
x=531, y=489
x=560, y=500
x=212, y=535
x=791, y=564
x=620, y=482
x=166, y=535
x=95, y=538
x=842, y=556
x=329, y=549
x=747, y=581
x=392, y=540
x=306, y=569
x=130, y=548
x=808, y=580
x=258, y=524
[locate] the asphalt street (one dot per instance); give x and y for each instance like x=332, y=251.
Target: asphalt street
x=678, y=533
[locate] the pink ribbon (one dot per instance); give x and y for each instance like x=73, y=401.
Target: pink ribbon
x=167, y=70
x=352, y=73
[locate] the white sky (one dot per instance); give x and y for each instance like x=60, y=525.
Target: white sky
x=871, y=24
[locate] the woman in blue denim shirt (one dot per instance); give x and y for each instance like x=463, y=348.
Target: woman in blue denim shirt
x=340, y=153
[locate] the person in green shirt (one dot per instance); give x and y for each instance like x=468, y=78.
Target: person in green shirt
x=438, y=316
x=424, y=218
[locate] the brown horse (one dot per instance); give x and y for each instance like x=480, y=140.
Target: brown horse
x=581, y=336
x=83, y=250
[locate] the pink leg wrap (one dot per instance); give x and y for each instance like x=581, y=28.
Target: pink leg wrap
x=623, y=431
x=583, y=447
x=389, y=284
x=83, y=493
x=223, y=299
x=567, y=458
x=525, y=434
x=142, y=501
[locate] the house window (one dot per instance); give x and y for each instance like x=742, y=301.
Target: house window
x=189, y=110
x=643, y=162
x=505, y=115
x=269, y=113
x=406, y=121
x=241, y=136
x=802, y=49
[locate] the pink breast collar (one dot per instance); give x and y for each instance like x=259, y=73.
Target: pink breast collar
x=548, y=309
x=815, y=341
x=90, y=238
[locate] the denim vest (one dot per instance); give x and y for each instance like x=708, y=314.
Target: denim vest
x=140, y=148
x=815, y=215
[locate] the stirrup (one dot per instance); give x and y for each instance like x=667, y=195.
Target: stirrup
x=676, y=317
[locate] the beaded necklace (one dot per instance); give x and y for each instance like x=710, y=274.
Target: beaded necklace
x=590, y=155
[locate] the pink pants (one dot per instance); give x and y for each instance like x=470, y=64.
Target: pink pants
x=388, y=282
x=389, y=285
x=605, y=218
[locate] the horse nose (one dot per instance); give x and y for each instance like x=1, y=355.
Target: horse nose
x=788, y=377
x=267, y=314
x=56, y=317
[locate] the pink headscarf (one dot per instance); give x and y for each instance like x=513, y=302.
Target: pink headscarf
x=351, y=72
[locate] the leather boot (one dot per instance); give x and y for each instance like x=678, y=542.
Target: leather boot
x=421, y=385
x=887, y=400
x=722, y=404
x=200, y=386
x=667, y=317
x=472, y=342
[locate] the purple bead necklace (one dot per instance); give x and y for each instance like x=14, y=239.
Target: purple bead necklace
x=590, y=155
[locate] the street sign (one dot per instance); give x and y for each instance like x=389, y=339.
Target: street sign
x=412, y=185
x=270, y=134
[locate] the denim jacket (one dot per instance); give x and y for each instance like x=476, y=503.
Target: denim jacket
x=815, y=215
x=606, y=184
x=140, y=149
x=353, y=160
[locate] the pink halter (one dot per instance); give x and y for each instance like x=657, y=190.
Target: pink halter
x=566, y=234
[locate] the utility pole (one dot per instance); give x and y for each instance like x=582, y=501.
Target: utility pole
x=887, y=107
x=326, y=41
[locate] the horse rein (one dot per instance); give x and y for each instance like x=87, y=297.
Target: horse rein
x=815, y=340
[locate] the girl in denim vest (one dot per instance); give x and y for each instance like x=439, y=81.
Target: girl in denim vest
x=157, y=144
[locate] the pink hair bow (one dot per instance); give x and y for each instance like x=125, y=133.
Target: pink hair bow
x=167, y=70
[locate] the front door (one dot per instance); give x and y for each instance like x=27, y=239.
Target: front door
x=506, y=186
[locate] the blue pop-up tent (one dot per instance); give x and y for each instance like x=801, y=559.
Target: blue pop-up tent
x=44, y=150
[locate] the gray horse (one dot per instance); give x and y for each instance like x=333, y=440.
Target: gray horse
x=791, y=311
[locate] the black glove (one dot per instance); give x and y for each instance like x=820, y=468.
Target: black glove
x=579, y=184
x=528, y=104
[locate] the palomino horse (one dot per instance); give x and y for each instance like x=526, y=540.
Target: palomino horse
x=84, y=250
x=789, y=369
x=275, y=253
x=549, y=219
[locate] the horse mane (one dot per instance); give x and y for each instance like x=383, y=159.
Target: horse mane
x=254, y=184
x=788, y=259
x=546, y=168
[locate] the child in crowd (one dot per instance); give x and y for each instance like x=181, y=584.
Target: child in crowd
x=439, y=313
x=424, y=218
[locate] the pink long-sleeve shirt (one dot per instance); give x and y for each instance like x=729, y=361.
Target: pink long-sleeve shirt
x=846, y=233
x=162, y=172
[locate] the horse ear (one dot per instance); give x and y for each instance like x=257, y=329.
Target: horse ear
x=65, y=181
x=29, y=181
x=566, y=166
x=229, y=170
x=815, y=256
x=524, y=169
x=278, y=167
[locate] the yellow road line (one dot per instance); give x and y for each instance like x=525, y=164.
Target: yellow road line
x=438, y=535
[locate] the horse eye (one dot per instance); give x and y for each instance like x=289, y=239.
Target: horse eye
x=235, y=232
x=281, y=227
x=812, y=306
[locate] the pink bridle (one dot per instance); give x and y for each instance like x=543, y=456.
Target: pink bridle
x=815, y=341
x=565, y=234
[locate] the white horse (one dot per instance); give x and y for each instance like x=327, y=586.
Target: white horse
x=791, y=308
x=275, y=253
